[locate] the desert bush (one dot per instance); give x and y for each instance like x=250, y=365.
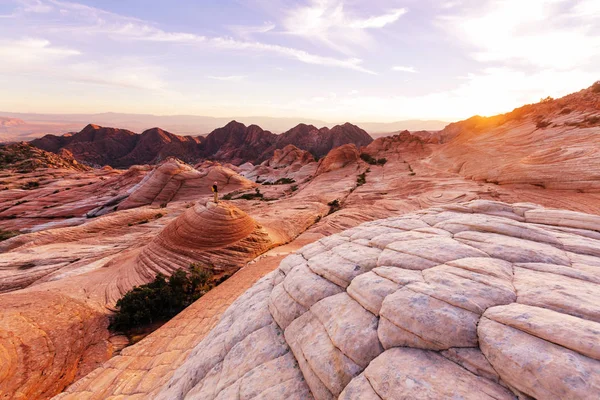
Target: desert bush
x=334, y=206
x=284, y=181
x=546, y=100
x=30, y=185
x=5, y=235
x=251, y=196
x=228, y=196
x=294, y=188
x=368, y=158
x=361, y=179
x=381, y=161
x=596, y=87
x=161, y=299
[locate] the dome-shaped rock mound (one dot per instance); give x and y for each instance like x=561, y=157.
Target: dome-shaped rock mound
x=482, y=300
x=216, y=235
x=338, y=158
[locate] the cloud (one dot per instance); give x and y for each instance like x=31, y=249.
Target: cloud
x=327, y=22
x=230, y=78
x=401, y=68
x=536, y=33
x=379, y=21
x=35, y=6
x=247, y=32
x=18, y=53
x=85, y=20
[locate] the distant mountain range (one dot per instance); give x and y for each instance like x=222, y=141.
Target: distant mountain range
x=21, y=126
x=235, y=143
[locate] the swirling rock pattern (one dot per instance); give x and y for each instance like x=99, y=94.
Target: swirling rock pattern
x=478, y=300
x=216, y=235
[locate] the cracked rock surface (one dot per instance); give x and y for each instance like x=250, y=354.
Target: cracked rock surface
x=473, y=301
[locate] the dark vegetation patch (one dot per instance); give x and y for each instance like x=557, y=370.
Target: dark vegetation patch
x=281, y=181
x=30, y=185
x=361, y=179
x=163, y=298
x=5, y=235
x=596, y=87
x=334, y=206
x=372, y=160
x=252, y=196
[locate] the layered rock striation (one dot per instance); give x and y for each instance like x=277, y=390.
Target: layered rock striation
x=219, y=236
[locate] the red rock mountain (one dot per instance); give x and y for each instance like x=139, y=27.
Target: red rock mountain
x=97, y=145
x=235, y=143
x=320, y=141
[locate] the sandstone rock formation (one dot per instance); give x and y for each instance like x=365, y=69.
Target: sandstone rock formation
x=290, y=162
x=481, y=300
x=338, y=158
x=23, y=157
x=218, y=236
x=552, y=144
x=173, y=180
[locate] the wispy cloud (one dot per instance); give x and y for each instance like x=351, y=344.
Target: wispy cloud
x=379, y=21
x=328, y=22
x=17, y=53
x=248, y=32
x=401, y=68
x=228, y=78
x=86, y=20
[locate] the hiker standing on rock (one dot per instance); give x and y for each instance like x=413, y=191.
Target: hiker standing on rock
x=215, y=190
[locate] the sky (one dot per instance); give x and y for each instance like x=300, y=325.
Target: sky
x=333, y=60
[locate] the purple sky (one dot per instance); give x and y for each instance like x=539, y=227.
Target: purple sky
x=328, y=59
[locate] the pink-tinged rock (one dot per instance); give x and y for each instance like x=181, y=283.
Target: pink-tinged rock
x=422, y=321
x=308, y=338
x=359, y=388
x=472, y=359
x=559, y=293
x=403, y=373
x=370, y=289
x=567, y=331
x=513, y=249
x=536, y=367
x=351, y=328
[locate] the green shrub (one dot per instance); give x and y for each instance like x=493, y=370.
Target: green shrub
x=161, y=299
x=30, y=185
x=334, y=206
x=284, y=181
x=5, y=235
x=251, y=196
x=368, y=158
x=361, y=179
